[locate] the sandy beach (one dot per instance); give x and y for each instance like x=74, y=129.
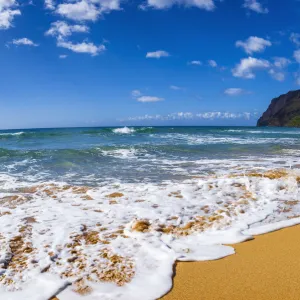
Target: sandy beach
x=267, y=267
x=114, y=222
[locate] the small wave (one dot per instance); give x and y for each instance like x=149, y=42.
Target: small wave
x=31, y=134
x=272, y=132
x=234, y=130
x=263, y=131
x=11, y=133
x=145, y=130
x=124, y=130
x=121, y=153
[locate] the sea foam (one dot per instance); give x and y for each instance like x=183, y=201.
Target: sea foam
x=121, y=240
x=124, y=130
x=11, y=133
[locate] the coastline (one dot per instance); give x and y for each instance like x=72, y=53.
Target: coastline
x=267, y=267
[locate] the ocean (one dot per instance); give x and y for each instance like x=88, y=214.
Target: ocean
x=104, y=213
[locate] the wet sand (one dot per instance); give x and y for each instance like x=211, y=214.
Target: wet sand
x=265, y=268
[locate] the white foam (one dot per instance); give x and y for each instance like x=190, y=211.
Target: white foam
x=11, y=133
x=131, y=153
x=263, y=131
x=214, y=139
x=258, y=230
x=121, y=153
x=235, y=208
x=124, y=130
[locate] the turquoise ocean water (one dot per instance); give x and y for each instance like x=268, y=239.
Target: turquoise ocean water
x=91, y=155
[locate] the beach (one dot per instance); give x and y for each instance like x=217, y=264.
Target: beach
x=267, y=267
x=105, y=213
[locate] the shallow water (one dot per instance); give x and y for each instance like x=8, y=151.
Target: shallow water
x=105, y=212
x=152, y=154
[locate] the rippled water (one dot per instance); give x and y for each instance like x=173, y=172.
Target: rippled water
x=141, y=153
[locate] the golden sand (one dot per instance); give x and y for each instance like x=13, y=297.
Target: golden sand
x=266, y=268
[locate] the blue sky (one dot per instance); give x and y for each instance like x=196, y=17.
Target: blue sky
x=158, y=62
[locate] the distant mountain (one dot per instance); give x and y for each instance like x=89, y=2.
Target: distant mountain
x=283, y=111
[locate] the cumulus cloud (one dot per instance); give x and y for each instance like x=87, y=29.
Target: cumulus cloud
x=176, y=88
x=157, y=54
x=79, y=11
x=87, y=10
x=84, y=47
x=214, y=115
x=149, y=99
x=24, y=42
x=8, y=11
x=253, y=44
x=277, y=75
x=63, y=56
x=137, y=94
x=50, y=4
x=195, y=63
x=234, y=91
x=277, y=68
x=246, y=67
x=297, y=56
x=61, y=29
x=255, y=6
x=281, y=62
x=295, y=38
x=163, y=4
x=212, y=63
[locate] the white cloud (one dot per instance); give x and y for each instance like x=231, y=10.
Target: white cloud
x=63, y=56
x=254, y=5
x=157, y=54
x=247, y=65
x=212, y=63
x=281, y=62
x=163, y=4
x=61, y=29
x=210, y=115
x=234, y=92
x=84, y=47
x=276, y=70
x=149, y=99
x=79, y=11
x=297, y=55
x=8, y=12
x=277, y=75
x=253, y=44
x=136, y=93
x=176, y=88
x=24, y=41
x=50, y=4
x=87, y=10
x=195, y=62
x=295, y=38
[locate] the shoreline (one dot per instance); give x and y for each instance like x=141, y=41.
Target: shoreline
x=267, y=267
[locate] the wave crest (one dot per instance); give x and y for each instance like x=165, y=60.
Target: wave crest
x=124, y=130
